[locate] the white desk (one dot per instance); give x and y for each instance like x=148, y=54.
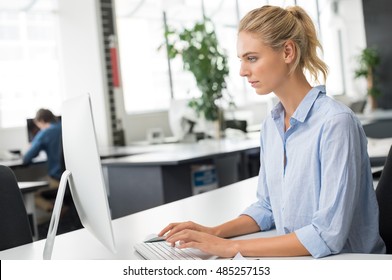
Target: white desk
x=378, y=149
x=209, y=209
x=377, y=115
x=377, y=124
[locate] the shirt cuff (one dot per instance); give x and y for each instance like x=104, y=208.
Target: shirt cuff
x=312, y=241
x=262, y=218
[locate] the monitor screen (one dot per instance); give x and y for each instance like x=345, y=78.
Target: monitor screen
x=32, y=129
x=84, y=172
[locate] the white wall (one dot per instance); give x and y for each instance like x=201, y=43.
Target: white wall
x=349, y=20
x=14, y=138
x=81, y=51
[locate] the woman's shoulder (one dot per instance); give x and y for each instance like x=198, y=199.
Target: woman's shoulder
x=331, y=108
x=335, y=113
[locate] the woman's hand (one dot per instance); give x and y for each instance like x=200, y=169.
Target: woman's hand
x=174, y=228
x=189, y=238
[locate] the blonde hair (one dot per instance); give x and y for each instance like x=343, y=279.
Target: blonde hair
x=276, y=26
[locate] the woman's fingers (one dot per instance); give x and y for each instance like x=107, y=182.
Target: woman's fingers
x=203, y=241
x=173, y=228
x=167, y=229
x=185, y=236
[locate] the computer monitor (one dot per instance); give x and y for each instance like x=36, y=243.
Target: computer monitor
x=32, y=129
x=84, y=175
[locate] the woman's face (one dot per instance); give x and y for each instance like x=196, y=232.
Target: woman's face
x=264, y=68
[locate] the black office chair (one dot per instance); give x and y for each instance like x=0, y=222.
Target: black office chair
x=235, y=124
x=384, y=198
x=15, y=227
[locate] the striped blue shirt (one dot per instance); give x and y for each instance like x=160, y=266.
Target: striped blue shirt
x=324, y=193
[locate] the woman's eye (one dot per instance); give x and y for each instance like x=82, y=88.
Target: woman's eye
x=252, y=58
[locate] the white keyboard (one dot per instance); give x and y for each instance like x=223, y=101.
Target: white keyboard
x=164, y=251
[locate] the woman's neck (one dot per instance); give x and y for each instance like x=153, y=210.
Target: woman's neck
x=293, y=92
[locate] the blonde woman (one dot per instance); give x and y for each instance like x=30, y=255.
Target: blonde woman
x=315, y=183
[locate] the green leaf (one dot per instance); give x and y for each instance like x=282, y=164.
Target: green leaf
x=202, y=56
x=368, y=62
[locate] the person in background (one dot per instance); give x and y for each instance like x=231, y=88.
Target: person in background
x=315, y=183
x=48, y=139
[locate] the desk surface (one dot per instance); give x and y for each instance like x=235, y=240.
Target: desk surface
x=32, y=186
x=181, y=152
x=176, y=153
x=17, y=162
x=208, y=208
x=377, y=115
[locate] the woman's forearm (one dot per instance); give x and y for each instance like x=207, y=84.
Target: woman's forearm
x=285, y=245
x=239, y=226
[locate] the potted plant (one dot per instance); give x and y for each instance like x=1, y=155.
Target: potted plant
x=369, y=60
x=202, y=56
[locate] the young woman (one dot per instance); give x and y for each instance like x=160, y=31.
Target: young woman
x=315, y=183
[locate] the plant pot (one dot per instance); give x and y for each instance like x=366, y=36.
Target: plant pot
x=212, y=129
x=372, y=103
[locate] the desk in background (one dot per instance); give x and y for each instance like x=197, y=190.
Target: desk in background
x=36, y=171
x=28, y=189
x=377, y=115
x=377, y=124
x=209, y=209
x=154, y=178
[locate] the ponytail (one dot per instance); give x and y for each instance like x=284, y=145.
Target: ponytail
x=276, y=25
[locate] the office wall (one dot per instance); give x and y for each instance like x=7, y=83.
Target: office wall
x=82, y=58
x=137, y=126
x=378, y=22
x=13, y=138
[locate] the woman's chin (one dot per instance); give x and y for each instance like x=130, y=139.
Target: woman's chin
x=262, y=92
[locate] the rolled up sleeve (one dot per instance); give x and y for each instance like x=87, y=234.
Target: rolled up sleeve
x=340, y=168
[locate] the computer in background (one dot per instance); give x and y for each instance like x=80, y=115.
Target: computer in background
x=33, y=129
x=84, y=175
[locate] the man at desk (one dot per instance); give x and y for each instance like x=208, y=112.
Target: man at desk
x=48, y=139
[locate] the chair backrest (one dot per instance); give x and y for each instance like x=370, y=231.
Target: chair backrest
x=14, y=223
x=384, y=198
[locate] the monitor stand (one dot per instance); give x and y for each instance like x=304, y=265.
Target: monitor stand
x=54, y=221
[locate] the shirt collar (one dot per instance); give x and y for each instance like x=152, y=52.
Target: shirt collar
x=304, y=107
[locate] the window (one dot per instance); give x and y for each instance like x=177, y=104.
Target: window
x=145, y=71
x=29, y=65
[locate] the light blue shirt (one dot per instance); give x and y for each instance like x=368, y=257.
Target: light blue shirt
x=325, y=192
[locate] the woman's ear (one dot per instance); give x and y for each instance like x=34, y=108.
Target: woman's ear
x=289, y=51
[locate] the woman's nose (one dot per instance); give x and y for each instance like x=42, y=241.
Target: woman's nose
x=243, y=71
